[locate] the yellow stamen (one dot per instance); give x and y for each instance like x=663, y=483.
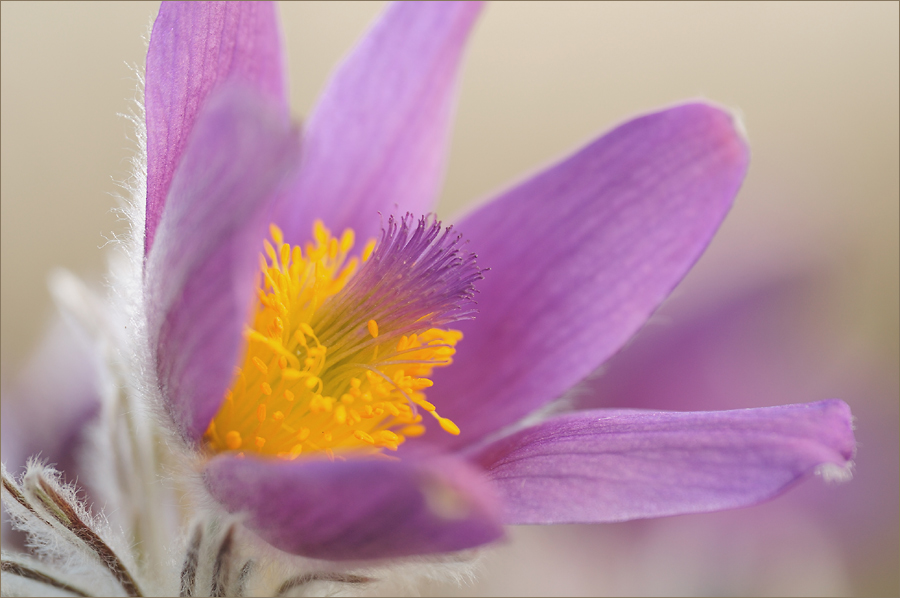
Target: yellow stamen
x=233, y=440
x=449, y=426
x=308, y=362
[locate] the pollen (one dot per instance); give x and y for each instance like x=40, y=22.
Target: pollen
x=341, y=346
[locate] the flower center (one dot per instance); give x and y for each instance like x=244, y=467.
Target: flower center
x=340, y=348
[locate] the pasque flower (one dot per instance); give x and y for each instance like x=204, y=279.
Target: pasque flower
x=579, y=256
x=341, y=371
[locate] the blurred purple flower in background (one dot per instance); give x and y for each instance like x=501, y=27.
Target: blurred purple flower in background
x=579, y=256
x=759, y=347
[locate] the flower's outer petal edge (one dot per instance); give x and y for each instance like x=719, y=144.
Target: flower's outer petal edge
x=194, y=48
x=358, y=509
x=581, y=254
x=202, y=269
x=612, y=465
x=377, y=139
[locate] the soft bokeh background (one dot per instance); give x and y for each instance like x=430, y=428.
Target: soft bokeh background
x=817, y=85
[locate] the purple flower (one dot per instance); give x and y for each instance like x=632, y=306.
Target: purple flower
x=579, y=256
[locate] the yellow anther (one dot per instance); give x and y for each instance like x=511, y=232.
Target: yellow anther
x=425, y=405
x=413, y=431
x=260, y=442
x=278, y=416
x=295, y=451
x=282, y=361
x=368, y=250
x=373, y=328
x=270, y=251
x=360, y=435
x=276, y=234
x=347, y=399
x=340, y=414
x=319, y=404
x=291, y=374
x=348, y=238
x=320, y=232
x=449, y=426
x=307, y=329
x=288, y=396
x=420, y=383
x=260, y=365
x=233, y=440
x=388, y=436
x=261, y=413
x=303, y=434
x=265, y=388
x=311, y=382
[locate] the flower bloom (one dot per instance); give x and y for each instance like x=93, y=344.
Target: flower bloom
x=342, y=349
x=355, y=403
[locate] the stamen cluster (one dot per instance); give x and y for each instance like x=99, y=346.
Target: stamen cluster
x=341, y=348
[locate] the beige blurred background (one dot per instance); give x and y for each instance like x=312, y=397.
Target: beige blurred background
x=816, y=83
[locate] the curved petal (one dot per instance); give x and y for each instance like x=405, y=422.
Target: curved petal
x=200, y=273
x=580, y=256
x=194, y=47
x=607, y=465
x=358, y=509
x=376, y=140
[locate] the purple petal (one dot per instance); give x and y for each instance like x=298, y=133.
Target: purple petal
x=200, y=273
x=358, y=509
x=194, y=48
x=605, y=465
x=376, y=140
x=581, y=254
